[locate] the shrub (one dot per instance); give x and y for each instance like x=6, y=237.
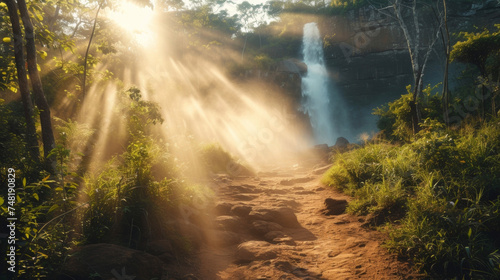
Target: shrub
x=395, y=117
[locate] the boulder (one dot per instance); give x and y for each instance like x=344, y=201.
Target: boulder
x=110, y=262
x=334, y=206
x=282, y=215
x=255, y=250
x=241, y=210
x=270, y=236
x=341, y=143
x=261, y=228
x=228, y=223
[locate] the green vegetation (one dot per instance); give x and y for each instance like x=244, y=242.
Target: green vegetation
x=440, y=193
x=439, y=189
x=436, y=193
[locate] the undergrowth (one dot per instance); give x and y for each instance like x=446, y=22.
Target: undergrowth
x=445, y=186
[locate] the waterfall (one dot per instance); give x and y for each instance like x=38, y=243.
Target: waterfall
x=315, y=89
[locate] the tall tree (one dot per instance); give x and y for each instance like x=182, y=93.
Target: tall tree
x=31, y=141
x=31, y=61
x=413, y=36
x=85, y=61
x=445, y=37
x=478, y=49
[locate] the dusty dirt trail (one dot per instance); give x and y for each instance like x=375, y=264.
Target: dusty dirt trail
x=273, y=226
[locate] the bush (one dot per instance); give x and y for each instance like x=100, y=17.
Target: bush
x=395, y=117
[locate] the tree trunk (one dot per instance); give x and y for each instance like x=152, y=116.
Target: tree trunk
x=41, y=102
x=446, y=43
x=31, y=139
x=244, y=46
x=415, y=115
x=84, y=85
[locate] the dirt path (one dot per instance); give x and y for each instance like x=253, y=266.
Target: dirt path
x=273, y=226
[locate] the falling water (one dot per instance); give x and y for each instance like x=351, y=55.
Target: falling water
x=315, y=88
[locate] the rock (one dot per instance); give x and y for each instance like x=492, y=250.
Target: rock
x=304, y=192
x=291, y=65
x=110, y=262
x=270, y=236
x=241, y=210
x=243, y=197
x=289, y=203
x=284, y=266
x=276, y=191
x=223, y=208
x=261, y=228
x=284, y=240
x=334, y=206
x=341, y=143
x=255, y=250
x=245, y=189
x=283, y=216
x=228, y=223
x=289, y=182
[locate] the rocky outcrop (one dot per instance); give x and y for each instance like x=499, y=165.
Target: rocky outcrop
x=367, y=57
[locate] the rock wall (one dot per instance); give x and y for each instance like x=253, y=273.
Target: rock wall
x=367, y=56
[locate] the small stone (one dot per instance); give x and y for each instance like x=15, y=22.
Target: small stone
x=334, y=206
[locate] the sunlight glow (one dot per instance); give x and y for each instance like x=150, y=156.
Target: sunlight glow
x=135, y=20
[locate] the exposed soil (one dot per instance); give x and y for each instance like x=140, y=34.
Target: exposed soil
x=254, y=233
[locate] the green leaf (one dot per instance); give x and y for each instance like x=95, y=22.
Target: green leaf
x=35, y=195
x=469, y=233
x=24, y=182
x=54, y=207
x=1, y=200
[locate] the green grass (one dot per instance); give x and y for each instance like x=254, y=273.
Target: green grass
x=438, y=194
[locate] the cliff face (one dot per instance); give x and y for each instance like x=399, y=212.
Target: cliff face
x=367, y=56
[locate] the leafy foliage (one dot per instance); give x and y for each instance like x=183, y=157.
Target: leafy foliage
x=395, y=118
x=481, y=49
